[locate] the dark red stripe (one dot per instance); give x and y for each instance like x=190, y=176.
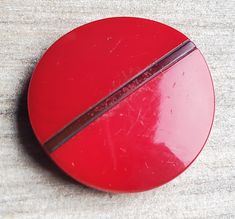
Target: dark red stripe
x=115, y=97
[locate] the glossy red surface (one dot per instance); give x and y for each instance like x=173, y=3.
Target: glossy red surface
x=151, y=136
x=88, y=63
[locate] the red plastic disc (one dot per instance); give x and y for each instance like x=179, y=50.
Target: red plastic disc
x=122, y=104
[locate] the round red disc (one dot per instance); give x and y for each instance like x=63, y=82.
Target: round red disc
x=122, y=104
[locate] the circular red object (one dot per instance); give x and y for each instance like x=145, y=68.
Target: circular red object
x=122, y=104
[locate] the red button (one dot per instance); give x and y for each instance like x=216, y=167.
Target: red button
x=122, y=104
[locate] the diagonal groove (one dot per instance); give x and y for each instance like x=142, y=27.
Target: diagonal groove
x=119, y=94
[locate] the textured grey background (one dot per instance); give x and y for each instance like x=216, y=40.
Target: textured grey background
x=32, y=187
